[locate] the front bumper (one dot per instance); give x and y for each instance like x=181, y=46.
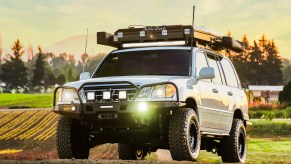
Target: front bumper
x=102, y=112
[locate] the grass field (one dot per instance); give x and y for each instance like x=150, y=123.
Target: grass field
x=25, y=133
x=260, y=150
x=40, y=100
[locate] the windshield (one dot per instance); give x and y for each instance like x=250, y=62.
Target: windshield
x=148, y=62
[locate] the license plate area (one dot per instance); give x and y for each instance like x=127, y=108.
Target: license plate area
x=107, y=116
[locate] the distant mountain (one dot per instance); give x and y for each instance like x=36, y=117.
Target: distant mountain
x=76, y=45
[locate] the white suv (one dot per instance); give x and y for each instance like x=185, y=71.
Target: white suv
x=147, y=97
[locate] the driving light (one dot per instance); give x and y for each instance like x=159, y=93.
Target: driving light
x=122, y=95
x=73, y=108
x=91, y=96
x=142, y=106
x=107, y=95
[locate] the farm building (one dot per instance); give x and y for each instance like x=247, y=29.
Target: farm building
x=265, y=93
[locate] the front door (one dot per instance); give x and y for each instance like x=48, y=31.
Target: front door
x=209, y=107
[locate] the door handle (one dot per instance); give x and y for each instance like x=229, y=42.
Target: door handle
x=214, y=90
x=229, y=93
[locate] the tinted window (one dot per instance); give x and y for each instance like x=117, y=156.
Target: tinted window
x=153, y=62
x=212, y=63
x=230, y=75
x=200, y=63
x=220, y=69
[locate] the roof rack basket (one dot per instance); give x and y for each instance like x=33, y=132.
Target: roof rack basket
x=167, y=35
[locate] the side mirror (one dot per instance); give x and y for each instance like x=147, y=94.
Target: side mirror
x=85, y=75
x=206, y=73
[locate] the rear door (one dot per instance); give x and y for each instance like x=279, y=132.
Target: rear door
x=233, y=92
x=226, y=99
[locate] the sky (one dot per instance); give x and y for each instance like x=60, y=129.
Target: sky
x=47, y=23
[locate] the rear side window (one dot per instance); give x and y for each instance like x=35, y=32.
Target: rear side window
x=229, y=72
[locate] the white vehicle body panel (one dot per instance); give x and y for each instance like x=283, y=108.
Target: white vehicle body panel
x=215, y=105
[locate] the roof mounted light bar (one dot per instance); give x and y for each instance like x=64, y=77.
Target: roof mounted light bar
x=145, y=36
x=152, y=44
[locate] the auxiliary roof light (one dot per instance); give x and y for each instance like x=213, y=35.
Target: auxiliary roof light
x=120, y=34
x=186, y=31
x=142, y=33
x=164, y=32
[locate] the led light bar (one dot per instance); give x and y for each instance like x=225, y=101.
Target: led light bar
x=122, y=95
x=106, y=95
x=149, y=44
x=91, y=96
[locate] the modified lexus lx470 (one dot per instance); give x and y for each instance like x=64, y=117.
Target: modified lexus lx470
x=164, y=87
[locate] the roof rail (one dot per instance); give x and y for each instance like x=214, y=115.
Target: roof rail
x=140, y=36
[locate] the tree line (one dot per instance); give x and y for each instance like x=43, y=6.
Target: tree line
x=42, y=71
x=259, y=64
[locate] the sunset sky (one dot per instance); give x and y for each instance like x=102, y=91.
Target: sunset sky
x=45, y=23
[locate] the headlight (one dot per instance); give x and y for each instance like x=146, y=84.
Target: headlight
x=145, y=92
x=157, y=93
x=67, y=96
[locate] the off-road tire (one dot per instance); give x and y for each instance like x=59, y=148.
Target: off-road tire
x=72, y=139
x=234, y=147
x=183, y=128
x=130, y=152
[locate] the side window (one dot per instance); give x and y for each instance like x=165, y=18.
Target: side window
x=200, y=63
x=219, y=58
x=213, y=63
x=230, y=75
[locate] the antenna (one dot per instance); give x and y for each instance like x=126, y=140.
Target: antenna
x=193, y=28
x=85, y=51
x=192, y=37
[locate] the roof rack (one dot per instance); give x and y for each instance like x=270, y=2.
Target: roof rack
x=141, y=36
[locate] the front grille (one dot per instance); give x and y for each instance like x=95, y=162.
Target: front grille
x=114, y=88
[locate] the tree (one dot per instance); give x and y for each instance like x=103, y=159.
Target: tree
x=50, y=79
x=259, y=64
x=84, y=57
x=241, y=61
x=61, y=80
x=273, y=64
x=70, y=75
x=285, y=95
x=14, y=71
x=0, y=49
x=287, y=73
x=39, y=69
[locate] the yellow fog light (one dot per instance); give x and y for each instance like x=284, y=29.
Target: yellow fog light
x=142, y=107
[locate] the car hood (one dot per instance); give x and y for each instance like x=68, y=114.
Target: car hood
x=136, y=80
